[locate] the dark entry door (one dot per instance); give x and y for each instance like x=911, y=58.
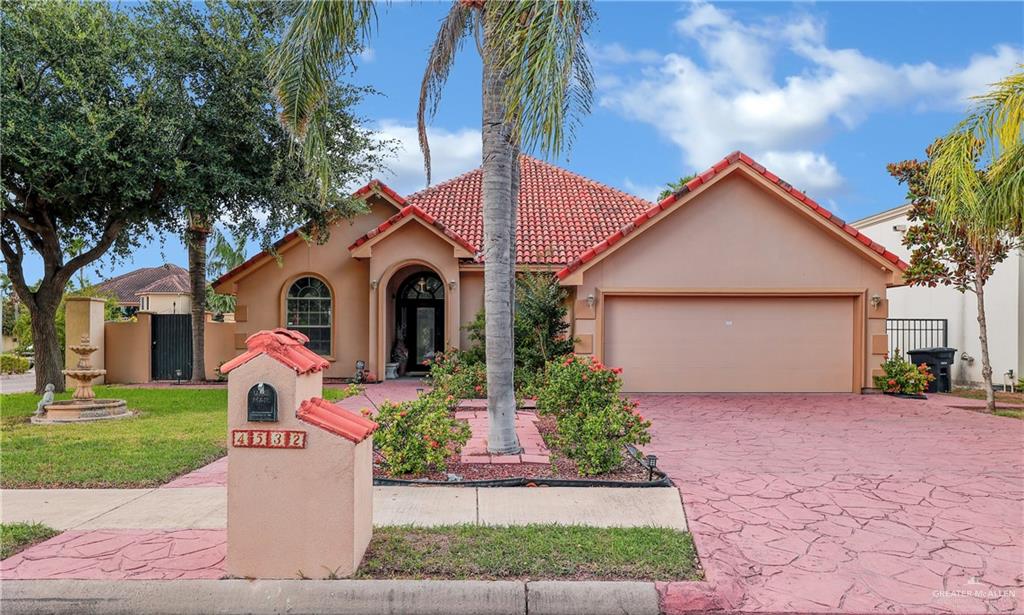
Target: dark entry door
x=172, y=346
x=420, y=318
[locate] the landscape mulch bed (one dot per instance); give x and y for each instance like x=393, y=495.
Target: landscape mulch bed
x=560, y=467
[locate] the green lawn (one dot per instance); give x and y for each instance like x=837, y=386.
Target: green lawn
x=177, y=430
x=530, y=552
x=16, y=537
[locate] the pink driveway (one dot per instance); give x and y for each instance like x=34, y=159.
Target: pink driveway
x=805, y=503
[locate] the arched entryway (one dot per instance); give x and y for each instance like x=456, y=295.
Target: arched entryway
x=419, y=320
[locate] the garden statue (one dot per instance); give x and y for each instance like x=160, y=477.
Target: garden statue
x=47, y=399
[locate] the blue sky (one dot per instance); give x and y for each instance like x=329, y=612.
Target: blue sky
x=824, y=94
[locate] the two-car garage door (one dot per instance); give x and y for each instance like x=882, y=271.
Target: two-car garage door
x=736, y=343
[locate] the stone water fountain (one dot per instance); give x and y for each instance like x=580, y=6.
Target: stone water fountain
x=83, y=405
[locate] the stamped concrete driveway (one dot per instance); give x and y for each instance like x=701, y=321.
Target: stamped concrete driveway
x=842, y=503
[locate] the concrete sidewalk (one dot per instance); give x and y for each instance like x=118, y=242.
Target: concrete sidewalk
x=206, y=507
x=269, y=597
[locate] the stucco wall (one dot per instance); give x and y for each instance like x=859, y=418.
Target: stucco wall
x=1004, y=308
x=163, y=303
x=737, y=234
x=128, y=347
x=472, y=296
x=84, y=316
x=260, y=293
x=219, y=346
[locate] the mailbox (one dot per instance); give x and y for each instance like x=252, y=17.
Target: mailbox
x=261, y=403
x=300, y=468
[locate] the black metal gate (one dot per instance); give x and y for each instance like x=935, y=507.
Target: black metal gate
x=912, y=333
x=172, y=347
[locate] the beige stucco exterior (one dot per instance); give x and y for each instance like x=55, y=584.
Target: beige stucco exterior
x=128, y=345
x=84, y=316
x=739, y=238
x=165, y=303
x=294, y=512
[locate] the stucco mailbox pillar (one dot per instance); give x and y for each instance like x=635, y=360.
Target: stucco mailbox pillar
x=300, y=469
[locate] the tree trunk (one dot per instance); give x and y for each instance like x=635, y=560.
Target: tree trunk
x=986, y=363
x=499, y=236
x=46, y=350
x=196, y=243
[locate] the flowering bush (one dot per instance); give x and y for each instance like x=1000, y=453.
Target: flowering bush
x=902, y=376
x=594, y=422
x=451, y=375
x=419, y=435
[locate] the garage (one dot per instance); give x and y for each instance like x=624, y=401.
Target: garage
x=747, y=343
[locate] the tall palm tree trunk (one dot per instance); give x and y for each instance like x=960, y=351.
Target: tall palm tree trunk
x=195, y=241
x=499, y=162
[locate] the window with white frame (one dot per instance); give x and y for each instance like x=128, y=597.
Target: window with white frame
x=308, y=309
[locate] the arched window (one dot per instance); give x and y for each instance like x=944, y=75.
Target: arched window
x=309, y=312
x=426, y=286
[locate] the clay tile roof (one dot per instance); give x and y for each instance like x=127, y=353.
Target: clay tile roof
x=127, y=286
x=560, y=214
x=696, y=184
x=335, y=419
x=285, y=346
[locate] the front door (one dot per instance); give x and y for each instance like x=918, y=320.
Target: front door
x=420, y=318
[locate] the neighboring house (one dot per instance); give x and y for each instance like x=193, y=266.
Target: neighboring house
x=1003, y=302
x=737, y=282
x=160, y=290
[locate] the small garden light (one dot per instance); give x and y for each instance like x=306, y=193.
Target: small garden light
x=419, y=391
x=177, y=374
x=652, y=464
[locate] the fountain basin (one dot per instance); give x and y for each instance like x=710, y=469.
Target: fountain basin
x=81, y=411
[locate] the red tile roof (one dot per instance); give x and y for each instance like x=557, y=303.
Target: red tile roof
x=127, y=286
x=695, y=184
x=283, y=345
x=335, y=419
x=559, y=215
x=412, y=210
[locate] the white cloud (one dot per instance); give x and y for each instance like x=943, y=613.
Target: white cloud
x=615, y=53
x=811, y=171
x=367, y=54
x=451, y=153
x=644, y=191
x=728, y=98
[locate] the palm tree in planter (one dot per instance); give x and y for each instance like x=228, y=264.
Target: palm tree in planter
x=537, y=81
x=976, y=180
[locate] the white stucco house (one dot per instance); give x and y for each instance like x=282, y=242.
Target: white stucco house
x=1003, y=302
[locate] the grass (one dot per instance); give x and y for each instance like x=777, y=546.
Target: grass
x=15, y=537
x=530, y=552
x=177, y=430
x=1010, y=405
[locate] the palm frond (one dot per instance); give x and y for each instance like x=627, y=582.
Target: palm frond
x=320, y=36
x=989, y=138
x=539, y=44
x=454, y=28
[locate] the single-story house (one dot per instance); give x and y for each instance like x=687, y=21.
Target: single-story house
x=921, y=316
x=737, y=282
x=161, y=290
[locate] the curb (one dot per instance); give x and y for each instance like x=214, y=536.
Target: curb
x=343, y=597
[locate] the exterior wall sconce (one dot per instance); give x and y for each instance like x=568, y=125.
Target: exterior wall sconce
x=451, y=284
x=591, y=300
x=876, y=301
x=373, y=284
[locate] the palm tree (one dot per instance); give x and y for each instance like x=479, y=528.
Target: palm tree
x=976, y=177
x=221, y=258
x=536, y=81
x=673, y=187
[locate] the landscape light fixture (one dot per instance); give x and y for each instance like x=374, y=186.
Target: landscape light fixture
x=652, y=464
x=177, y=374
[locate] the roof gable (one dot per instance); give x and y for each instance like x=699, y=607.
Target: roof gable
x=737, y=161
x=410, y=213
x=127, y=286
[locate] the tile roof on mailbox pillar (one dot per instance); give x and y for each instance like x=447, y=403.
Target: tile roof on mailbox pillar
x=335, y=419
x=284, y=346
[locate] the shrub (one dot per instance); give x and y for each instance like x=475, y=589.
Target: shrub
x=902, y=376
x=419, y=435
x=13, y=364
x=451, y=374
x=541, y=327
x=594, y=423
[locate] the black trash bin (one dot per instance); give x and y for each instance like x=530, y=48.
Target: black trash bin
x=940, y=361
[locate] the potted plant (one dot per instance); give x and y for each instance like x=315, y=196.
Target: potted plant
x=399, y=352
x=902, y=378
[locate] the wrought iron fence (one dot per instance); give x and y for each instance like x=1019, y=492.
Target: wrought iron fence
x=912, y=333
